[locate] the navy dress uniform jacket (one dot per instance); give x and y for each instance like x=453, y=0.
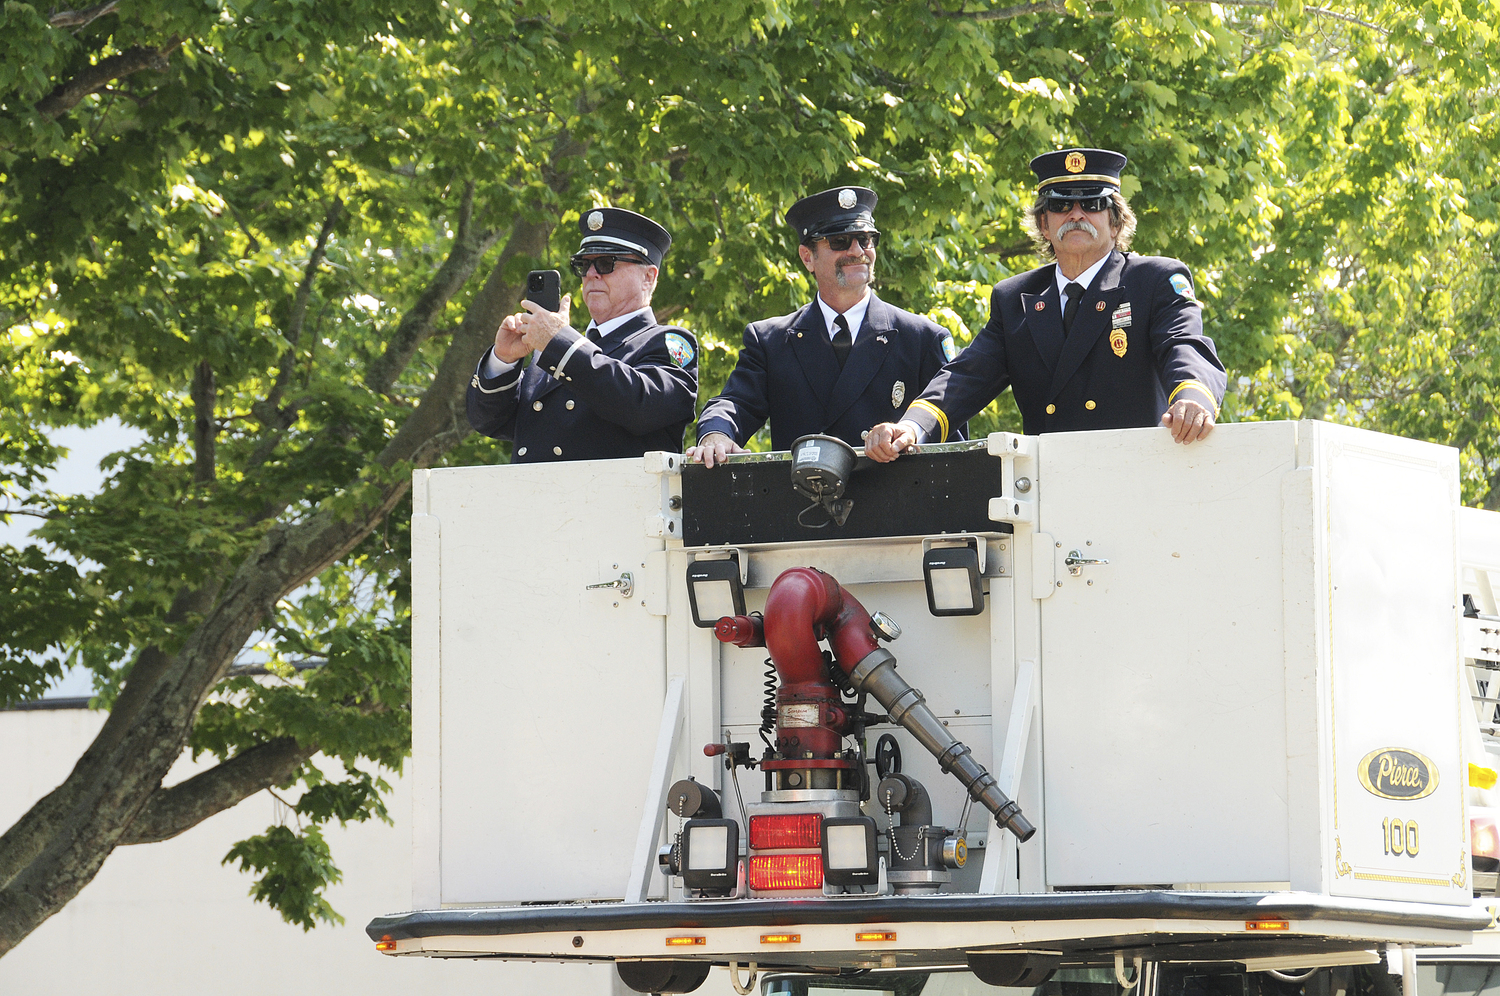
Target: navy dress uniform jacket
x=1136, y=345
x=580, y=400
x=787, y=373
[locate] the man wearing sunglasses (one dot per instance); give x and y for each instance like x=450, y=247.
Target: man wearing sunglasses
x=1099, y=338
x=837, y=366
x=621, y=388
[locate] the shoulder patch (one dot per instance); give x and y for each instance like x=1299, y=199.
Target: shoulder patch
x=949, y=349
x=680, y=348
x=1183, y=286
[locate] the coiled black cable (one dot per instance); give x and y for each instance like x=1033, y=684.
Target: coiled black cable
x=768, y=709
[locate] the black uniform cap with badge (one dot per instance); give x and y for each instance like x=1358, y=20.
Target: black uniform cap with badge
x=837, y=211
x=622, y=234
x=1085, y=176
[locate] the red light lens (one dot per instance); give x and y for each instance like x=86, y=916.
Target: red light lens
x=778, y=872
x=1484, y=843
x=768, y=833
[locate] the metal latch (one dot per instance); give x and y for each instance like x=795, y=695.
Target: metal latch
x=625, y=582
x=1076, y=562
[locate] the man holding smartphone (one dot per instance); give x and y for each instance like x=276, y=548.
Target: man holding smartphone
x=623, y=387
x=837, y=366
x=1098, y=338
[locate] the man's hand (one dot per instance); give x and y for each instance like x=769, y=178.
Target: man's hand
x=538, y=325
x=1188, y=420
x=888, y=440
x=713, y=448
x=509, y=346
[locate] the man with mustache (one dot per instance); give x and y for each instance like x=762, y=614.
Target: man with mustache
x=1099, y=339
x=837, y=366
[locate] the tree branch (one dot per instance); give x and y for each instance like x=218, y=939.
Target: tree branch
x=469, y=248
x=205, y=433
x=81, y=18
x=96, y=77
x=170, y=811
x=1057, y=7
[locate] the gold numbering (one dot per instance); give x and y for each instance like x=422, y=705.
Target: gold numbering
x=1401, y=837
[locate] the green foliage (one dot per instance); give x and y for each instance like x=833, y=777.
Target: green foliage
x=1331, y=183
x=294, y=867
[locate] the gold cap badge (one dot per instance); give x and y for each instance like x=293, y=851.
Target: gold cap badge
x=1075, y=162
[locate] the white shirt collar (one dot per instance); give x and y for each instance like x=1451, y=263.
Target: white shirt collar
x=614, y=323
x=855, y=316
x=1084, y=279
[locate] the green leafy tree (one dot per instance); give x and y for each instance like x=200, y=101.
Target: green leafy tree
x=275, y=237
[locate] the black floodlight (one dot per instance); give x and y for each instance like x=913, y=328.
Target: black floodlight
x=849, y=855
x=711, y=855
x=714, y=590
x=821, y=466
x=951, y=574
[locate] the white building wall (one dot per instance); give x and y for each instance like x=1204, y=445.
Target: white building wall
x=167, y=919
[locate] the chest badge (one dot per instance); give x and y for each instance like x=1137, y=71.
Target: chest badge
x=1117, y=341
x=898, y=394
x=1040, y=305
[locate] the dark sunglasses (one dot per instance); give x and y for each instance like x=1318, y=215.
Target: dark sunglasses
x=601, y=264
x=841, y=243
x=1062, y=205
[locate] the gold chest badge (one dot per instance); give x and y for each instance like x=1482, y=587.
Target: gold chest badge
x=1117, y=341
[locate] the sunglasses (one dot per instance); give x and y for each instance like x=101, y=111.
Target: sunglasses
x=601, y=264
x=841, y=243
x=1091, y=205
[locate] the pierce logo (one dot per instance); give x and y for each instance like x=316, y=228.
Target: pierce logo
x=1396, y=773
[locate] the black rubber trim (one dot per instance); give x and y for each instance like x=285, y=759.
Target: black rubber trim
x=1149, y=905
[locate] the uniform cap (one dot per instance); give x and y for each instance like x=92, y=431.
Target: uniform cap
x=616, y=230
x=1078, y=173
x=833, y=211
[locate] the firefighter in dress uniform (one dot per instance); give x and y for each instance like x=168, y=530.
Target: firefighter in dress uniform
x=837, y=366
x=1098, y=339
x=621, y=388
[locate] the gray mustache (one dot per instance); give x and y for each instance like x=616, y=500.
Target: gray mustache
x=1078, y=225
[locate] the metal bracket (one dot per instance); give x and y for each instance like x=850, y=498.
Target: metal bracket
x=1009, y=447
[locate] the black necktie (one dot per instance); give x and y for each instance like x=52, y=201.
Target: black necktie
x=842, y=340
x=592, y=334
x=1075, y=295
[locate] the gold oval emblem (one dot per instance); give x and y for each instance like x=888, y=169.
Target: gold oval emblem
x=1397, y=773
x=1075, y=162
x=1117, y=341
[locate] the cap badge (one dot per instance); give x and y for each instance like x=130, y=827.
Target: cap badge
x=898, y=393
x=596, y=220
x=847, y=199
x=1075, y=162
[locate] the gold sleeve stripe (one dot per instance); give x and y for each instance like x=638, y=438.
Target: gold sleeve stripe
x=937, y=413
x=1198, y=386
